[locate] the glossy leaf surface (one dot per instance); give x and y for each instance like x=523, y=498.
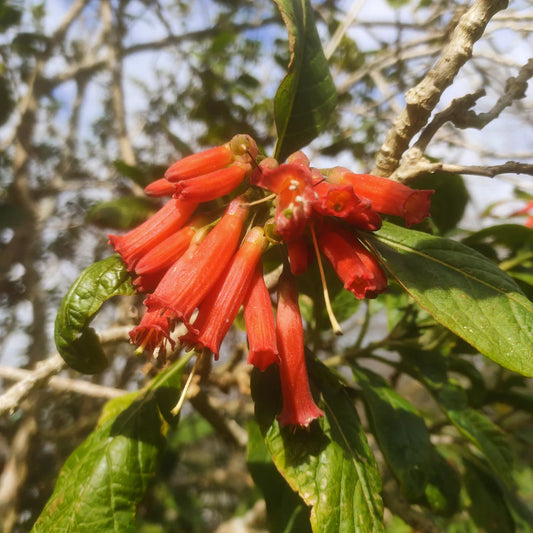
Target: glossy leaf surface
x=76, y=342
x=307, y=96
x=464, y=291
x=105, y=478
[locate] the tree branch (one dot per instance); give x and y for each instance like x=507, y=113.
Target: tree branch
x=422, y=99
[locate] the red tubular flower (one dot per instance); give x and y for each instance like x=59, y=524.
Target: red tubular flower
x=219, y=309
x=210, y=186
x=299, y=408
x=153, y=332
x=160, y=187
x=342, y=202
x=356, y=267
x=153, y=266
x=240, y=148
x=260, y=324
x=202, y=163
x=137, y=242
x=294, y=186
x=387, y=196
x=191, y=278
x=299, y=256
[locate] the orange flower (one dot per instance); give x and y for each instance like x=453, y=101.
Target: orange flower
x=356, y=267
x=299, y=407
x=260, y=324
x=191, y=278
x=137, y=242
x=386, y=196
x=219, y=309
x=154, y=264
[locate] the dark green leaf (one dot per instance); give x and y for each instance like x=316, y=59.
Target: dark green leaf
x=29, y=43
x=105, y=478
x=122, y=213
x=286, y=512
x=487, y=505
x=307, y=96
x=400, y=433
x=142, y=174
x=513, y=237
x=330, y=464
x=10, y=14
x=430, y=369
x=443, y=486
x=449, y=201
x=464, y=291
x=76, y=342
x=6, y=95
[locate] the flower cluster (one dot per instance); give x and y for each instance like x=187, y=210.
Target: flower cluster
x=198, y=259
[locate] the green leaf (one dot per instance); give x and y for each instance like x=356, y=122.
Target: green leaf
x=307, y=96
x=330, y=464
x=487, y=504
x=443, y=487
x=10, y=14
x=142, y=174
x=430, y=369
x=449, y=201
x=286, y=512
x=76, y=342
x=122, y=213
x=464, y=291
x=511, y=236
x=400, y=433
x=105, y=478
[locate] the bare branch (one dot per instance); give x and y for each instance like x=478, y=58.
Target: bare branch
x=44, y=372
x=422, y=99
x=423, y=166
x=15, y=472
x=515, y=89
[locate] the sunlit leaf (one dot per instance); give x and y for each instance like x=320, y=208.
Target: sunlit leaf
x=286, y=512
x=307, y=96
x=104, y=479
x=464, y=291
x=76, y=342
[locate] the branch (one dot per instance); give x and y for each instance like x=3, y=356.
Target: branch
x=37, y=378
x=422, y=99
x=15, y=472
x=44, y=374
x=423, y=166
x=515, y=89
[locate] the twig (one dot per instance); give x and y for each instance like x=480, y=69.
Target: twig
x=422, y=99
x=56, y=382
x=228, y=429
x=342, y=27
x=423, y=166
x=15, y=472
x=44, y=372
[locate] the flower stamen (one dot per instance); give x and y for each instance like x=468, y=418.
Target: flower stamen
x=333, y=320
